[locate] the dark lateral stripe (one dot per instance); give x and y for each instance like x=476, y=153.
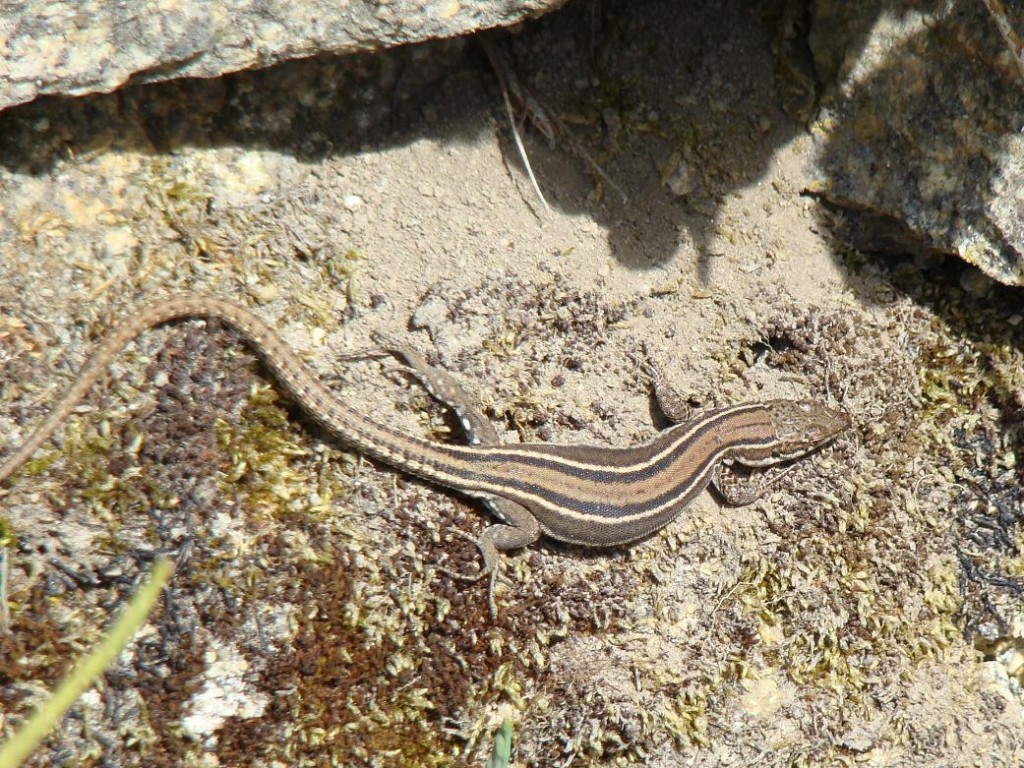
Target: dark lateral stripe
x=605, y=506
x=608, y=464
x=674, y=467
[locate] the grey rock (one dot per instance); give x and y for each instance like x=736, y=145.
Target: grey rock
x=85, y=46
x=918, y=138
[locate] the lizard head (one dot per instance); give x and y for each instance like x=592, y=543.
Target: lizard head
x=803, y=425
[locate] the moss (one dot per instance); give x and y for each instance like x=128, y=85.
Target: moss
x=370, y=673
x=261, y=448
x=46, y=635
x=686, y=717
x=343, y=270
x=37, y=465
x=351, y=693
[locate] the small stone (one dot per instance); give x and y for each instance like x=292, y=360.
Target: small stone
x=680, y=181
x=263, y=293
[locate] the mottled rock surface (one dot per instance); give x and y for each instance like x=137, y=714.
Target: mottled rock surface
x=919, y=136
x=87, y=46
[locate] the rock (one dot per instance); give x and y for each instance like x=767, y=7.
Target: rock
x=918, y=137
x=75, y=47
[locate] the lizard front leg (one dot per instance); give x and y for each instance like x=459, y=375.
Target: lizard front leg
x=740, y=489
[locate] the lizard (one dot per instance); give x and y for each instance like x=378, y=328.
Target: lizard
x=595, y=496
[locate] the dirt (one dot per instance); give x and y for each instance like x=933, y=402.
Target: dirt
x=346, y=197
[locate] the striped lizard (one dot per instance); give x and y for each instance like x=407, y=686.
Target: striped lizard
x=587, y=495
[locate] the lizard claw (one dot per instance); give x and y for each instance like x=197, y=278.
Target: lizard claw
x=490, y=568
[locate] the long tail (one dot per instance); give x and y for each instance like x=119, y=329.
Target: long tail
x=319, y=402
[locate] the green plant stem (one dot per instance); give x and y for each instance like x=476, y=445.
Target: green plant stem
x=42, y=721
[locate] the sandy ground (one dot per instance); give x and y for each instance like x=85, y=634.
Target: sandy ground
x=818, y=626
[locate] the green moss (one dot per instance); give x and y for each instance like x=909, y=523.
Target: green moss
x=261, y=449
x=37, y=465
x=686, y=718
x=343, y=270
x=86, y=450
x=349, y=665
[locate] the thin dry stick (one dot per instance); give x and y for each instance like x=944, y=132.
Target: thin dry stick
x=522, y=149
x=504, y=75
x=543, y=120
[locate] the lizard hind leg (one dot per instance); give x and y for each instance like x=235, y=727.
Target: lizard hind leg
x=444, y=388
x=518, y=527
